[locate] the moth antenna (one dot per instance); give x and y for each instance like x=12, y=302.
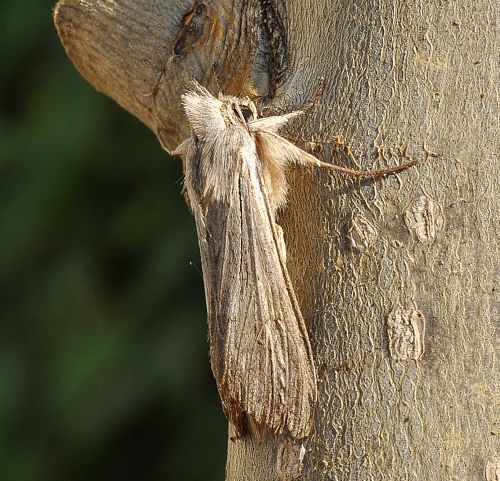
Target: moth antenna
x=318, y=92
x=216, y=76
x=360, y=174
x=366, y=174
x=316, y=96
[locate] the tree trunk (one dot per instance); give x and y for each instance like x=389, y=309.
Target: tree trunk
x=395, y=277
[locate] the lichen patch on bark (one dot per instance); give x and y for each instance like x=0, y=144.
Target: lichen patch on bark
x=492, y=469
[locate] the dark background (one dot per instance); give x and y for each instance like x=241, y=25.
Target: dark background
x=104, y=371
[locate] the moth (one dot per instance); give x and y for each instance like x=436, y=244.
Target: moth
x=261, y=357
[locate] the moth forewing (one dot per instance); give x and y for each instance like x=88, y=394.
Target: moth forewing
x=260, y=351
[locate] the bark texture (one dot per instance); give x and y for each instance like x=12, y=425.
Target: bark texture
x=395, y=278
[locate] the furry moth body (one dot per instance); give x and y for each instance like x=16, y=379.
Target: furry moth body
x=235, y=180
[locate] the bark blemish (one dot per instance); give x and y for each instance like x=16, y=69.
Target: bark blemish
x=492, y=469
x=290, y=459
x=273, y=43
x=361, y=233
x=406, y=331
x=194, y=27
x=424, y=218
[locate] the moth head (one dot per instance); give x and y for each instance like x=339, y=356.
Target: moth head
x=237, y=111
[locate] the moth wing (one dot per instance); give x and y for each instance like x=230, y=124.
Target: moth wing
x=260, y=351
x=273, y=123
x=285, y=151
x=203, y=111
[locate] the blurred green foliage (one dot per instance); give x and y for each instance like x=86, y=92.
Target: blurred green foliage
x=104, y=371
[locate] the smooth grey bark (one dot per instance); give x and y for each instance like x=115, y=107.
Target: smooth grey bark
x=397, y=278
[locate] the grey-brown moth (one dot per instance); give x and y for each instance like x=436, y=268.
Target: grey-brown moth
x=235, y=180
